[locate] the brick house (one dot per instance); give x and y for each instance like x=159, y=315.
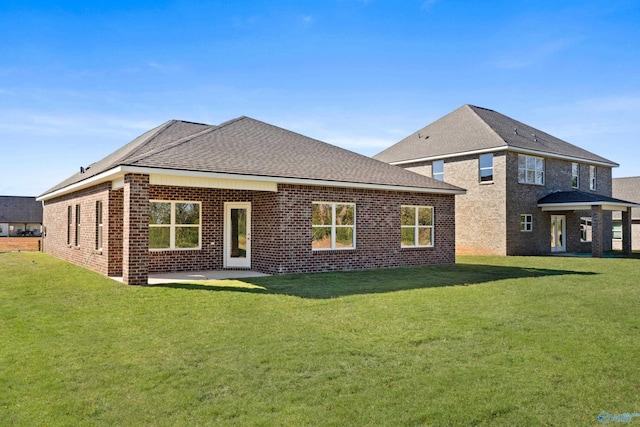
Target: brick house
x=245, y=195
x=20, y=216
x=528, y=192
x=628, y=189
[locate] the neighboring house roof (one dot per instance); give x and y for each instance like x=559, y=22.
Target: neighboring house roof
x=579, y=200
x=628, y=189
x=244, y=148
x=20, y=209
x=471, y=129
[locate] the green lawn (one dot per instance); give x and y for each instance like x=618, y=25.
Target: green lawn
x=490, y=341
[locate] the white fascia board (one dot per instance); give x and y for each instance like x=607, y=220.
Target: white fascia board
x=512, y=149
x=585, y=206
x=280, y=180
x=105, y=176
x=116, y=175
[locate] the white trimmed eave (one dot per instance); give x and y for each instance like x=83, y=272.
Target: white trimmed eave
x=586, y=206
x=507, y=148
x=184, y=178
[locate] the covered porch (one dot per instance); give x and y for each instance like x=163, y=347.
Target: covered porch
x=596, y=204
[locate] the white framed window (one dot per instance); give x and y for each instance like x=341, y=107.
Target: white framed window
x=437, y=170
x=333, y=225
x=586, y=230
x=486, y=167
x=617, y=230
x=593, y=179
x=526, y=223
x=99, y=225
x=416, y=226
x=530, y=169
x=174, y=225
x=575, y=175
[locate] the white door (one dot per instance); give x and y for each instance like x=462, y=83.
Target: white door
x=237, y=235
x=558, y=232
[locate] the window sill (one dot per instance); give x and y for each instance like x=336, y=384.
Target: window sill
x=486, y=182
x=332, y=250
x=417, y=247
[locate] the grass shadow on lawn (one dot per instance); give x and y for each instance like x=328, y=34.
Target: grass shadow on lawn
x=339, y=284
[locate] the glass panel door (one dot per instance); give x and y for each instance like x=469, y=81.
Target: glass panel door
x=558, y=230
x=237, y=235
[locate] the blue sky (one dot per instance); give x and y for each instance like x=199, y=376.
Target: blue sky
x=80, y=79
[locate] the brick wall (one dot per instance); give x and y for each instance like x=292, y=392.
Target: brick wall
x=481, y=213
x=523, y=199
x=55, y=227
x=281, y=229
x=9, y=244
x=284, y=245
x=488, y=216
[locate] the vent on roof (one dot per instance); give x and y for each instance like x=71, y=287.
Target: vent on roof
x=515, y=130
x=425, y=136
x=535, y=138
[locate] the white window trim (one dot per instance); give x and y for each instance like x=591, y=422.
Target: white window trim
x=587, y=223
x=480, y=168
x=593, y=178
x=523, y=221
x=544, y=165
x=417, y=227
x=334, y=226
x=437, y=175
x=99, y=225
x=172, y=226
x=575, y=175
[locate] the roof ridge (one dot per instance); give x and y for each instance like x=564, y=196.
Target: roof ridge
x=484, y=123
x=173, y=144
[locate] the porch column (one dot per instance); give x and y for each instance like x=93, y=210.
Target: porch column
x=135, y=230
x=597, y=248
x=626, y=232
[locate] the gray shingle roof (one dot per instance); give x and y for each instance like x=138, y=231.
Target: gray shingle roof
x=20, y=209
x=570, y=197
x=627, y=189
x=471, y=128
x=245, y=146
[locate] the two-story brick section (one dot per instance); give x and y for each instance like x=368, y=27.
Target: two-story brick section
x=245, y=195
x=528, y=192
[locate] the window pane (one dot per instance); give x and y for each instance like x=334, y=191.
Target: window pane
x=486, y=161
x=344, y=237
x=321, y=238
x=539, y=178
x=408, y=236
x=187, y=237
x=158, y=237
x=539, y=164
x=321, y=214
x=159, y=213
x=531, y=176
x=424, y=236
x=425, y=216
x=408, y=216
x=531, y=163
x=522, y=177
x=486, y=175
x=344, y=214
x=187, y=213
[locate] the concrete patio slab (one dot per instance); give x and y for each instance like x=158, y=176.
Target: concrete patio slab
x=190, y=276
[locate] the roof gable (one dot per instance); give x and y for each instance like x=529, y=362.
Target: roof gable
x=472, y=129
x=248, y=147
